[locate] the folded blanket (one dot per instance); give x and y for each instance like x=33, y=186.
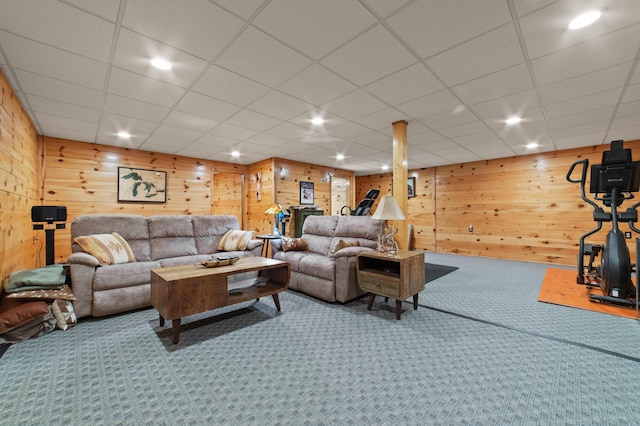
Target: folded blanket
x=49, y=277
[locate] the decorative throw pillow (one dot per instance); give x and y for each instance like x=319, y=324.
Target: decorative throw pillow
x=235, y=240
x=15, y=313
x=294, y=244
x=63, y=292
x=107, y=248
x=64, y=313
x=342, y=244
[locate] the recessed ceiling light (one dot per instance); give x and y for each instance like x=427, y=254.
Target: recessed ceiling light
x=316, y=121
x=585, y=19
x=532, y=145
x=340, y=157
x=161, y=64
x=235, y=153
x=513, y=120
x=385, y=167
x=124, y=135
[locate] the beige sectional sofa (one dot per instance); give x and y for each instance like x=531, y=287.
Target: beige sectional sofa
x=156, y=242
x=318, y=273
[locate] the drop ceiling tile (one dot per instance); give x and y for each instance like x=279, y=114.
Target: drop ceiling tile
x=586, y=84
x=204, y=28
x=232, y=132
x=427, y=106
x=464, y=129
x=290, y=131
x=107, y=9
x=348, y=130
x=629, y=109
x=458, y=154
x=262, y=59
x=279, y=105
x=546, y=30
x=228, y=86
x=145, y=89
x=107, y=134
x=372, y=138
x=428, y=26
x=68, y=123
x=373, y=55
x=424, y=139
x=626, y=133
x=580, y=140
x=632, y=93
x=529, y=127
x=330, y=120
x=69, y=133
x=615, y=48
x=33, y=84
x=382, y=119
x=514, y=104
x=163, y=144
x=135, y=52
x=449, y=119
x=354, y=105
x=484, y=138
x=512, y=80
x=584, y=103
x=18, y=17
x=267, y=141
x=244, y=8
x=580, y=118
x=133, y=126
x=176, y=133
x=529, y=116
x=410, y=83
x=494, y=51
x=316, y=85
x=204, y=106
x=189, y=121
x=524, y=7
x=62, y=109
x=586, y=128
x=312, y=27
x=134, y=108
x=384, y=8
x=52, y=62
x=253, y=120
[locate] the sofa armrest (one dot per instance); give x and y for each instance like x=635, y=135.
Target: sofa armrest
x=351, y=251
x=82, y=268
x=82, y=258
x=253, y=244
x=276, y=246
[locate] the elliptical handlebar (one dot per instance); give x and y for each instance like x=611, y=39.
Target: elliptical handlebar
x=582, y=181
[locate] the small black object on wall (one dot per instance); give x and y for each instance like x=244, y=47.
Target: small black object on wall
x=49, y=214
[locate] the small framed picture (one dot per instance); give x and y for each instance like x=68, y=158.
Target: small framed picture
x=411, y=187
x=149, y=186
x=306, y=192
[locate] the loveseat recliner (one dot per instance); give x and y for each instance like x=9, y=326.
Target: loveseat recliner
x=318, y=272
x=156, y=241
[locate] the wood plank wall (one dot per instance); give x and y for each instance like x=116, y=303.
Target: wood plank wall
x=521, y=208
x=83, y=177
x=20, y=177
x=228, y=195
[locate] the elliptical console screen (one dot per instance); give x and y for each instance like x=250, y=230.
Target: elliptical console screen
x=616, y=171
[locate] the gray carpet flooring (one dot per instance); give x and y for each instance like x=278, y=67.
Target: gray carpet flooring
x=480, y=350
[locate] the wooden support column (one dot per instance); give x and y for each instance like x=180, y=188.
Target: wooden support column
x=400, y=191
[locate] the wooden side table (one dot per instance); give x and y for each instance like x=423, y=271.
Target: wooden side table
x=396, y=276
x=266, y=239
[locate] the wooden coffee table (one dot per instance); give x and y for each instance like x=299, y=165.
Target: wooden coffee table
x=179, y=291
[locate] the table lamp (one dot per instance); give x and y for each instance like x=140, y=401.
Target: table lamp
x=388, y=209
x=280, y=213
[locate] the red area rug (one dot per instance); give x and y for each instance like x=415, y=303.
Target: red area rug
x=560, y=288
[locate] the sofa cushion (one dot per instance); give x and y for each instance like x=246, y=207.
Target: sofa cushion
x=133, y=228
x=109, y=249
x=63, y=312
x=318, y=265
x=362, y=228
x=171, y=236
x=123, y=275
x=209, y=229
x=235, y=240
x=294, y=244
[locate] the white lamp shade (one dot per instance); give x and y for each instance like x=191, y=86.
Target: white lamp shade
x=388, y=209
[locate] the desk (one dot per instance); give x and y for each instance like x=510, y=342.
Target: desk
x=267, y=239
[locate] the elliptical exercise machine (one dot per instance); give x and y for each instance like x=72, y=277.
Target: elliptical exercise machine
x=612, y=182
